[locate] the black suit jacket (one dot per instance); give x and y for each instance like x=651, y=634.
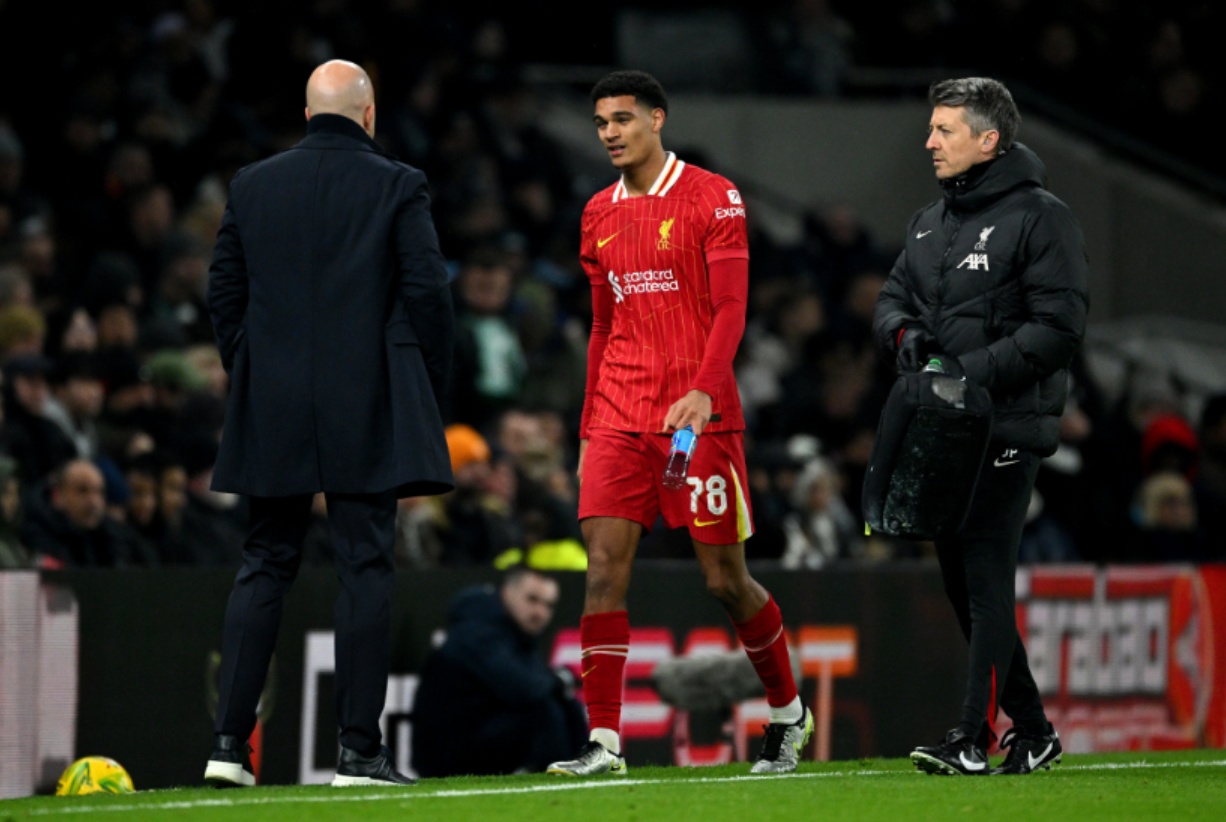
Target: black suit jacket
x=329, y=301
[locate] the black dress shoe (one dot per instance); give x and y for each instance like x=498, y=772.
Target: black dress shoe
x=355, y=769
x=230, y=765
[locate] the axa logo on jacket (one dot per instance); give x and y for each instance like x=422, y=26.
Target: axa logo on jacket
x=976, y=261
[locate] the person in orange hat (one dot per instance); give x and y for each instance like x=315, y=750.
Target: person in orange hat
x=466, y=446
x=472, y=524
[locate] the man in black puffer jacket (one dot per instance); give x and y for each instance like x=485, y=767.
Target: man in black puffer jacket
x=993, y=278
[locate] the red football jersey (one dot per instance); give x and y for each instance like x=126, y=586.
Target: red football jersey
x=652, y=252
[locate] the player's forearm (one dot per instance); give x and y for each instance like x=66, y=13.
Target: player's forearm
x=716, y=368
x=598, y=341
x=729, y=297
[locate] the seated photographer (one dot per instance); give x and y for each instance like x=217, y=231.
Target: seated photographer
x=488, y=702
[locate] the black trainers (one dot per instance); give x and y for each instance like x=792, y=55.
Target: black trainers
x=1028, y=752
x=353, y=769
x=230, y=764
x=958, y=755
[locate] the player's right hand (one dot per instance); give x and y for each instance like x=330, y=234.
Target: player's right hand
x=579, y=468
x=694, y=410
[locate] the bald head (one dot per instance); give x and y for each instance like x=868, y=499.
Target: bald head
x=344, y=88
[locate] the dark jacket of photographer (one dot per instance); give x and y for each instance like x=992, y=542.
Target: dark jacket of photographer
x=487, y=668
x=996, y=272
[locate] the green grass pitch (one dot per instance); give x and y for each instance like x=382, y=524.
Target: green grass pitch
x=1135, y=786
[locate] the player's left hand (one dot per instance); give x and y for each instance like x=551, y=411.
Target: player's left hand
x=693, y=409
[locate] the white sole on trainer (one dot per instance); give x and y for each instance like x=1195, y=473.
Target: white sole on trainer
x=340, y=781
x=228, y=775
x=622, y=771
x=932, y=765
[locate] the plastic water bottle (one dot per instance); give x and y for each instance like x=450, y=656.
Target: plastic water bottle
x=684, y=440
x=946, y=387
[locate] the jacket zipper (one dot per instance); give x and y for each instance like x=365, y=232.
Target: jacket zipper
x=951, y=235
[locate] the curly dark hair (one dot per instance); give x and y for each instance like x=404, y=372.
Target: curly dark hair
x=637, y=84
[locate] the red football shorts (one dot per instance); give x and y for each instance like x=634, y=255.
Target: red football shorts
x=622, y=477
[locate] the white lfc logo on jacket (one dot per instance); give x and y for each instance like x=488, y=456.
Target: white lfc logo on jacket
x=976, y=261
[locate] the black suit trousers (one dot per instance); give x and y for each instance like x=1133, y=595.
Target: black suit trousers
x=362, y=529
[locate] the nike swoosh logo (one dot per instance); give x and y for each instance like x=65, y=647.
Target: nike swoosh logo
x=999, y=463
x=607, y=240
x=971, y=765
x=702, y=524
x=922, y=234
x=1038, y=760
x=583, y=674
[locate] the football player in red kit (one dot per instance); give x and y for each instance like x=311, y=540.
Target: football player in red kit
x=667, y=253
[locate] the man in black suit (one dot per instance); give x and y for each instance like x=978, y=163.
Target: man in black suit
x=329, y=302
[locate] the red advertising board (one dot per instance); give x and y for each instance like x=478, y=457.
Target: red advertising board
x=1128, y=658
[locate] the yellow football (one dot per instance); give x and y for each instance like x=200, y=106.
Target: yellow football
x=94, y=774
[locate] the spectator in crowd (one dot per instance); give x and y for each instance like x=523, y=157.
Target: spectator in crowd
x=75, y=401
x=554, y=346
x=1044, y=537
x=1071, y=514
x=1212, y=433
x=774, y=346
x=214, y=523
x=1165, y=519
x=1169, y=443
x=176, y=548
x=177, y=302
x=471, y=525
x=18, y=202
x=23, y=330
x=173, y=381
x=143, y=510
x=490, y=365
x=13, y=553
x=66, y=524
x=37, y=443
x=820, y=529
x=535, y=449
x=488, y=702
x=118, y=325
x=15, y=285
x=71, y=331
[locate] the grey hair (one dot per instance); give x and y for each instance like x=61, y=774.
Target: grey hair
x=987, y=105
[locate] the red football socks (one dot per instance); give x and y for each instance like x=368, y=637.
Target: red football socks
x=766, y=645
x=606, y=641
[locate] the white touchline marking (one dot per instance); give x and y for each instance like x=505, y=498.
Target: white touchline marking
x=419, y=794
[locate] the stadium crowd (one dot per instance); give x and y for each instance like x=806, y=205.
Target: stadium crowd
x=113, y=176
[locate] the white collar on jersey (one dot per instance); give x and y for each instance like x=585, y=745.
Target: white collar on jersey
x=668, y=177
